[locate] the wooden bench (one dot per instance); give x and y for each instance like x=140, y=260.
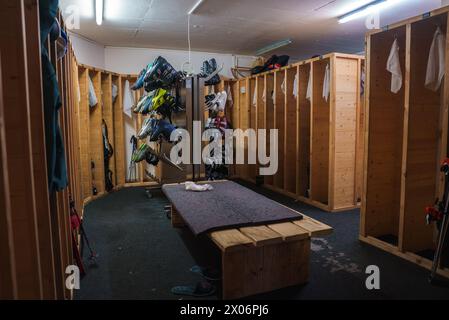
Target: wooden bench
x=263, y=258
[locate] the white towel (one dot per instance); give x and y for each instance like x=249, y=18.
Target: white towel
x=362, y=83
x=114, y=91
x=255, y=98
x=230, y=99
x=327, y=83
x=309, y=88
x=264, y=94
x=436, y=63
x=295, y=87
x=128, y=100
x=394, y=67
x=93, y=101
x=283, y=87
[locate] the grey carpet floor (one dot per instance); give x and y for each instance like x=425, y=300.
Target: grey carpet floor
x=142, y=257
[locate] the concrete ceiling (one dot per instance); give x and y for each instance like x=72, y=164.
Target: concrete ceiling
x=236, y=26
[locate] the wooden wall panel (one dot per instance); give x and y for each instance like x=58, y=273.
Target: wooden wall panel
x=84, y=133
x=347, y=89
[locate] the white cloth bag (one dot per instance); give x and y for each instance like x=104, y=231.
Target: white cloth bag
x=394, y=67
x=436, y=61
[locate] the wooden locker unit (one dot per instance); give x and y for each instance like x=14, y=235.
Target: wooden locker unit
x=321, y=120
x=318, y=138
x=291, y=132
x=95, y=135
x=108, y=117
x=279, y=123
x=406, y=139
x=269, y=111
x=119, y=134
x=244, y=121
x=304, y=121
x=252, y=172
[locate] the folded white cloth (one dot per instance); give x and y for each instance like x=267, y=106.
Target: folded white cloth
x=309, y=88
x=436, y=61
x=394, y=67
x=295, y=87
x=128, y=100
x=327, y=83
x=93, y=101
x=191, y=186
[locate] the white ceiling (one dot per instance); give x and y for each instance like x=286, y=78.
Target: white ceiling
x=236, y=26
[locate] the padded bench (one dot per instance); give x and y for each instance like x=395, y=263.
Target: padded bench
x=262, y=258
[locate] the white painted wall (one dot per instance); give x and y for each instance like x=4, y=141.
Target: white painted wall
x=88, y=52
x=132, y=60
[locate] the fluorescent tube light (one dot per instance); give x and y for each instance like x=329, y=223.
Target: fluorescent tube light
x=99, y=11
x=274, y=46
x=191, y=11
x=367, y=9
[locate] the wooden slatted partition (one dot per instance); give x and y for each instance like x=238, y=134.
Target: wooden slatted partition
x=36, y=245
x=406, y=139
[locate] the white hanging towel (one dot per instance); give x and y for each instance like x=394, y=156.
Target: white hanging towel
x=264, y=94
x=295, y=87
x=128, y=100
x=78, y=91
x=436, y=62
x=255, y=98
x=93, y=101
x=327, y=83
x=309, y=88
x=394, y=67
x=283, y=87
x=230, y=99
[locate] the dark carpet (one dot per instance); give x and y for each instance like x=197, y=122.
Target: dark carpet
x=227, y=206
x=142, y=257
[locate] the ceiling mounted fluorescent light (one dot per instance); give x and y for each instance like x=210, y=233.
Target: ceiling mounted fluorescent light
x=192, y=11
x=366, y=10
x=99, y=11
x=274, y=46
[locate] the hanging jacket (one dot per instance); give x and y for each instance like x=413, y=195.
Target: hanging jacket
x=56, y=164
x=436, y=61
